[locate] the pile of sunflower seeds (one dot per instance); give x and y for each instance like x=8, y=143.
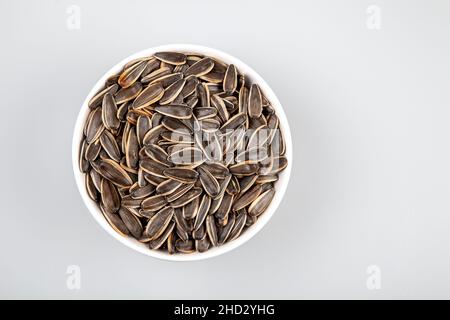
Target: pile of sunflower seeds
x=181, y=152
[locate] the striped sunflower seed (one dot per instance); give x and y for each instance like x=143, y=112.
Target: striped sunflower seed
x=97, y=99
x=172, y=92
x=260, y=204
x=209, y=182
x=159, y=222
x=174, y=58
x=177, y=111
x=158, y=242
x=230, y=79
x=211, y=230
x=109, y=112
x=202, y=211
x=132, y=222
x=200, y=67
x=254, y=101
x=191, y=209
x=154, y=203
x=131, y=74
x=148, y=96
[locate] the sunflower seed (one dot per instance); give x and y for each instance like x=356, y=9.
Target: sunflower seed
x=279, y=164
x=110, y=196
x=205, y=113
x=199, y=233
x=152, y=136
x=203, y=95
x=128, y=94
x=234, y=122
x=175, y=125
x=202, y=211
x=174, y=58
x=109, y=113
x=181, y=224
x=186, y=156
x=190, y=210
x=156, y=75
x=213, y=77
x=112, y=171
x=159, y=222
x=202, y=244
x=225, y=231
x=147, y=214
x=223, y=184
x=225, y=206
x=142, y=192
x=152, y=179
x=246, y=198
x=260, y=204
x=157, y=154
x=210, y=125
x=200, y=67
x=151, y=66
x=130, y=75
x=267, y=178
x=215, y=204
x=175, y=111
x=109, y=144
x=209, y=182
x=153, y=167
x=211, y=230
x=218, y=170
x=143, y=125
x=171, y=243
x=185, y=246
x=189, y=87
x=132, y=150
x=233, y=187
x=179, y=192
x=148, y=96
x=131, y=222
x=154, y=203
x=90, y=187
x=244, y=168
x=92, y=150
x=97, y=99
x=254, y=101
x=95, y=126
x=168, y=186
x=186, y=198
x=246, y=182
x=158, y=242
x=82, y=162
x=115, y=221
x=168, y=79
x=129, y=202
x=96, y=179
x=184, y=175
x=217, y=102
x=239, y=224
x=172, y=92
x=230, y=79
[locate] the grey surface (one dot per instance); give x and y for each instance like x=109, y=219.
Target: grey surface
x=369, y=113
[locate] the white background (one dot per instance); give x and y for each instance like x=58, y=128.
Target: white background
x=369, y=114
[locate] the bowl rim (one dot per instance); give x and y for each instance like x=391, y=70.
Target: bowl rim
x=281, y=184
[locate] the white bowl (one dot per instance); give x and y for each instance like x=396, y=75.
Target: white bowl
x=280, y=185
